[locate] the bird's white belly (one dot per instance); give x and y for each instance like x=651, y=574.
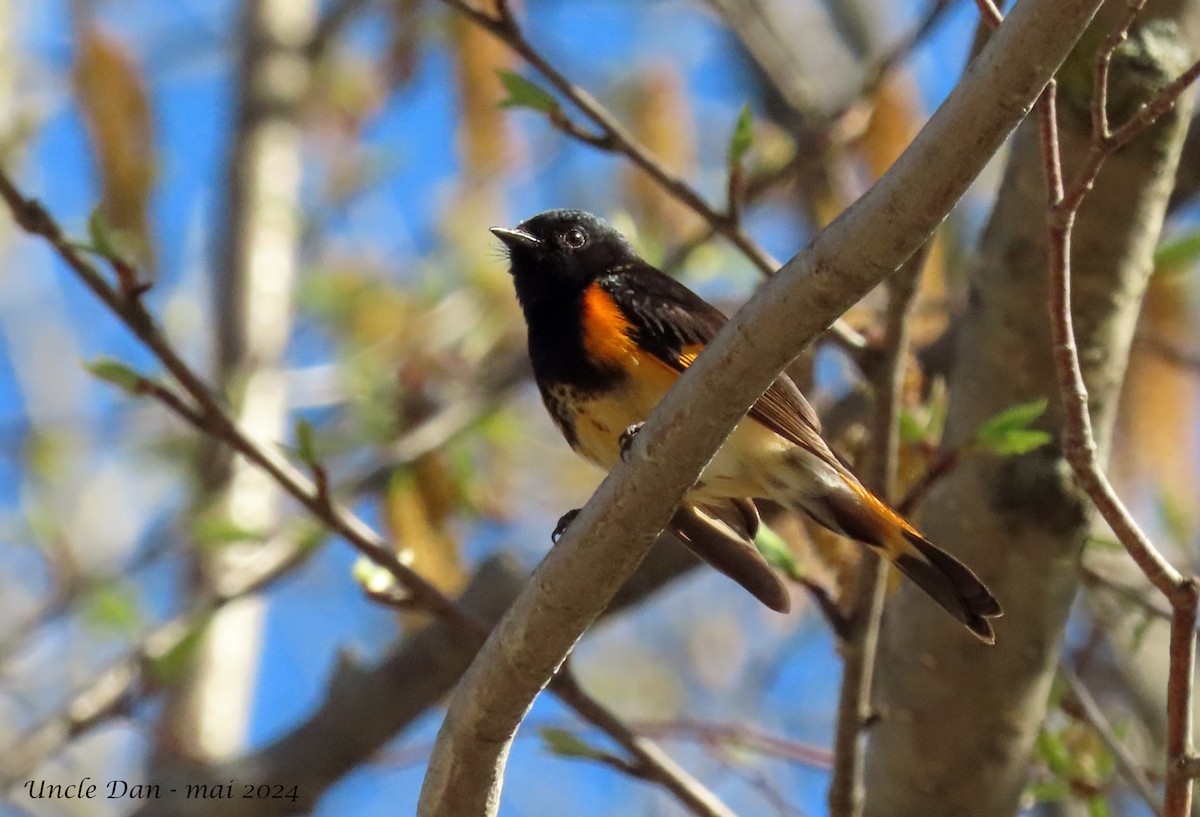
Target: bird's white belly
x=750, y=463
x=747, y=465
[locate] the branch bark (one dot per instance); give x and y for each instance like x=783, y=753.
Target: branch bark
x=614, y=531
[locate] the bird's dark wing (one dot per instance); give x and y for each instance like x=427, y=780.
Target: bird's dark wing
x=673, y=324
x=722, y=534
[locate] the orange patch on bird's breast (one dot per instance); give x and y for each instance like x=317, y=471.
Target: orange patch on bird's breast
x=607, y=334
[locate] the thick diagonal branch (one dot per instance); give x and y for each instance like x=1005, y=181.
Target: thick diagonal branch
x=614, y=531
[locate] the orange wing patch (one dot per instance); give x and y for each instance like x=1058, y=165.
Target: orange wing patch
x=607, y=334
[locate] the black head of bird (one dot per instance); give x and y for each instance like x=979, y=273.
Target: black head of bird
x=561, y=251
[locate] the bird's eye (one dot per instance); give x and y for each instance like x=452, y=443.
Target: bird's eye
x=574, y=238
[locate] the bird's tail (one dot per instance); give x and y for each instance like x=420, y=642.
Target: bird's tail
x=860, y=515
x=950, y=583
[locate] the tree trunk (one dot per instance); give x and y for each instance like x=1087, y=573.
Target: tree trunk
x=208, y=712
x=959, y=720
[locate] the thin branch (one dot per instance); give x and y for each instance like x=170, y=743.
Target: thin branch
x=742, y=737
x=1133, y=595
x=834, y=129
x=1078, y=440
x=112, y=689
x=1171, y=353
x=1180, y=686
x=611, y=136
x=854, y=703
x=1091, y=712
x=989, y=15
x=613, y=532
x=365, y=707
x=757, y=186
x=649, y=761
x=67, y=594
x=210, y=417
x=943, y=463
x=1190, y=766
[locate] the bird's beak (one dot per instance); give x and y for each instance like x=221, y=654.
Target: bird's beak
x=516, y=239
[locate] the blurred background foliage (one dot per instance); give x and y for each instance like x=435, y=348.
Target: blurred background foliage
x=406, y=357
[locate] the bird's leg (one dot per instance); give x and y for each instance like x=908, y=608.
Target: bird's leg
x=564, y=522
x=626, y=440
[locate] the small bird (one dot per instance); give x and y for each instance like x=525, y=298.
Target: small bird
x=608, y=336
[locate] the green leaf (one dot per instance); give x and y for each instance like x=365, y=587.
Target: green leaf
x=307, y=534
x=1050, y=791
x=1175, y=516
x=117, y=373
x=777, y=553
x=1008, y=432
x=1103, y=543
x=100, y=233
x=1053, y=752
x=743, y=136
x=306, y=443
x=372, y=576
x=565, y=743
x=114, y=245
x=216, y=529
x=112, y=608
x=1097, y=806
x=172, y=664
x=524, y=94
x=1140, y=630
x=1019, y=441
x=911, y=429
x=1178, y=254
x=1058, y=690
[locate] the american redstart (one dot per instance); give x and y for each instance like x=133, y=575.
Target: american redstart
x=608, y=336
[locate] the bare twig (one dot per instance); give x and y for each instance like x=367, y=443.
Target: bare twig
x=854, y=703
x=756, y=186
x=1190, y=766
x=1168, y=351
x=1091, y=712
x=67, y=594
x=649, y=761
x=943, y=463
x=611, y=136
x=114, y=687
x=743, y=737
x=1078, y=441
x=365, y=707
x=1133, y=595
x=832, y=129
x=1180, y=681
x=210, y=417
x=879, y=69
x=989, y=15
